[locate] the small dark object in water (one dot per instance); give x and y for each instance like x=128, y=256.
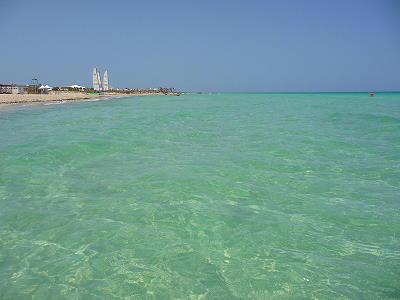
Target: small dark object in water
x=372, y=94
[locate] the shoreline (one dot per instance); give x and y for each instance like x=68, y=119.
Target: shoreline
x=12, y=100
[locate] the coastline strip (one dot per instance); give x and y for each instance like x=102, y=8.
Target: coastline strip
x=10, y=99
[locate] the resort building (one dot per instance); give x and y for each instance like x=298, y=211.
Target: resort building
x=76, y=87
x=13, y=89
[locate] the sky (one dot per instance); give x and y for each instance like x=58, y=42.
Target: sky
x=208, y=45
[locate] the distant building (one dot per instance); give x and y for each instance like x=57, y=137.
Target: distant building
x=13, y=89
x=44, y=89
x=76, y=87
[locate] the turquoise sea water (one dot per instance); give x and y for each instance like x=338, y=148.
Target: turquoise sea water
x=220, y=196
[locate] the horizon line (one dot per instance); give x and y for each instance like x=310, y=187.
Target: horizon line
x=295, y=92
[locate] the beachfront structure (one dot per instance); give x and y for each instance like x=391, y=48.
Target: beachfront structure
x=96, y=80
x=44, y=89
x=106, y=85
x=77, y=87
x=13, y=89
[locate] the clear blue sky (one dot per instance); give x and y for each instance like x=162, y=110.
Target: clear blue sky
x=208, y=45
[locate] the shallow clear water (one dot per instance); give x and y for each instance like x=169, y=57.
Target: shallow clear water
x=221, y=196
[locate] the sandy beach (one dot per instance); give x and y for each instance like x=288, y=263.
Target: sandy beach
x=9, y=99
x=6, y=99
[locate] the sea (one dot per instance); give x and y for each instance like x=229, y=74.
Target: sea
x=202, y=196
